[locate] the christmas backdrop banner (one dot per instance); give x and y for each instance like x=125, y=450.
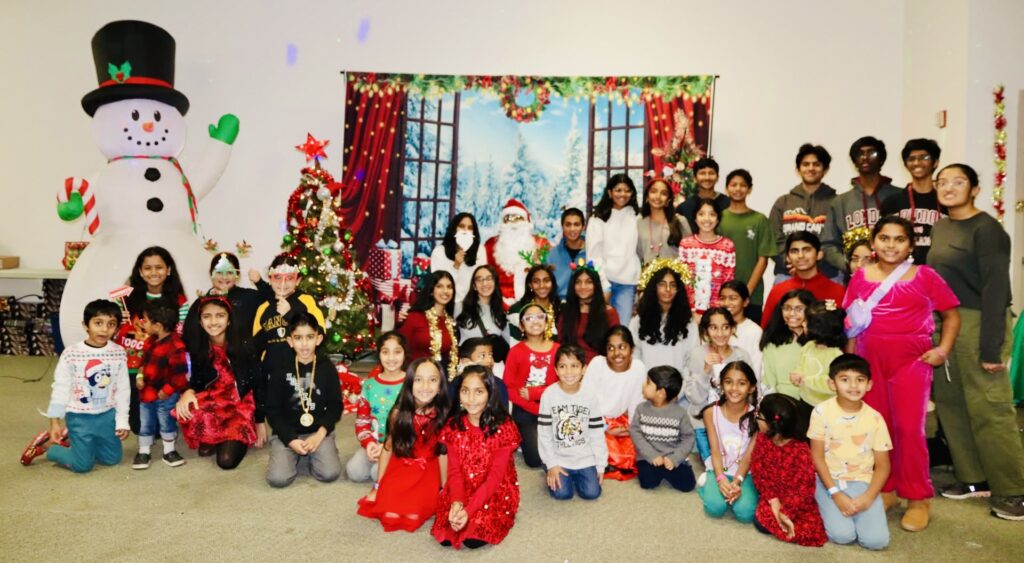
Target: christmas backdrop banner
x=421, y=148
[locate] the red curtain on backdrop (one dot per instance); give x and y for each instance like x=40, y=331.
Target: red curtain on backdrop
x=373, y=134
x=661, y=123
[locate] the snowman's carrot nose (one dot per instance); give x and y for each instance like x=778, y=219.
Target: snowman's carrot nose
x=147, y=127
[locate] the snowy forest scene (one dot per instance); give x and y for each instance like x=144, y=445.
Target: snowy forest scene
x=466, y=144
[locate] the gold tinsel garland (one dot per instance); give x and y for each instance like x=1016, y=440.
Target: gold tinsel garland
x=436, y=340
x=658, y=264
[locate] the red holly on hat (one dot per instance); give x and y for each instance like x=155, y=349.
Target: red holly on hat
x=514, y=206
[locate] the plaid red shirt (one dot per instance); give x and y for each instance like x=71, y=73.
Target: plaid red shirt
x=164, y=367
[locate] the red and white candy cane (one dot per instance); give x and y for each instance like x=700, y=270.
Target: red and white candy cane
x=81, y=186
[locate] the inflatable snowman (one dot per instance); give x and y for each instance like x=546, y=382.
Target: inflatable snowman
x=142, y=197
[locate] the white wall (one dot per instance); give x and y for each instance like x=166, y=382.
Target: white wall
x=995, y=51
x=792, y=71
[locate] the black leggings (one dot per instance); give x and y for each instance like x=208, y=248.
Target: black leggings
x=527, y=424
x=230, y=454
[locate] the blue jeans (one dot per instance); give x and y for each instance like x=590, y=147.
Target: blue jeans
x=716, y=507
x=622, y=301
x=156, y=416
x=869, y=528
x=584, y=481
x=92, y=441
x=703, y=445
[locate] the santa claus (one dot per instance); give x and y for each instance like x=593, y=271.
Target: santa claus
x=505, y=250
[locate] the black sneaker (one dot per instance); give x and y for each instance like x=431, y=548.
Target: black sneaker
x=1008, y=508
x=174, y=459
x=141, y=461
x=961, y=491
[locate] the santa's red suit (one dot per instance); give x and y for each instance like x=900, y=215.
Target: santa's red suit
x=505, y=250
x=507, y=282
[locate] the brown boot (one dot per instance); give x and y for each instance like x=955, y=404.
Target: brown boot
x=917, y=515
x=890, y=500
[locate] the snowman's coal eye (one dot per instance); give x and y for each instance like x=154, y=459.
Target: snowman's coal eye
x=135, y=115
x=156, y=115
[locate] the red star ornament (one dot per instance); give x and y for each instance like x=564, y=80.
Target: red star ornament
x=313, y=148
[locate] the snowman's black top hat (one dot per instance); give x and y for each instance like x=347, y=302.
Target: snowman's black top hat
x=134, y=59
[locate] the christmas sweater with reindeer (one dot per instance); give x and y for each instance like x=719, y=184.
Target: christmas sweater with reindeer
x=530, y=370
x=90, y=380
x=570, y=430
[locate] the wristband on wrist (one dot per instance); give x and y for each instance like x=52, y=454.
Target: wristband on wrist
x=738, y=479
x=376, y=485
x=833, y=490
x=139, y=376
x=721, y=477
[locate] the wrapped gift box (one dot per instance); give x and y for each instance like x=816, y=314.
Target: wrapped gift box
x=385, y=261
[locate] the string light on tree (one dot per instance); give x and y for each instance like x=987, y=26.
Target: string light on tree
x=317, y=238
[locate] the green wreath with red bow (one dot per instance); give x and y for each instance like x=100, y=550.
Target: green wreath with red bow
x=510, y=87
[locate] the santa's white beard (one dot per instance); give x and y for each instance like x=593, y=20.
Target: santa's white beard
x=512, y=239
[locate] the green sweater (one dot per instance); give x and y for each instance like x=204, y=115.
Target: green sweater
x=778, y=362
x=813, y=365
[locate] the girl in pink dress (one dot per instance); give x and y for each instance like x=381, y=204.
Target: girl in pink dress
x=710, y=256
x=898, y=345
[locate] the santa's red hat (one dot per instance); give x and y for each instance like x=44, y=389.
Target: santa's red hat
x=515, y=207
x=92, y=367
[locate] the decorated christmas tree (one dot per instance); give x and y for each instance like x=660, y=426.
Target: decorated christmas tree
x=318, y=239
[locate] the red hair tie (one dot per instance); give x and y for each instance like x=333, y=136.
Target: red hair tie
x=776, y=417
x=215, y=298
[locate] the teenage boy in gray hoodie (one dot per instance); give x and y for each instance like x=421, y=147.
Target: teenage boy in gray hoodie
x=862, y=205
x=805, y=207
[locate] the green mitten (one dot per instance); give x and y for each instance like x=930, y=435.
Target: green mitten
x=72, y=208
x=226, y=129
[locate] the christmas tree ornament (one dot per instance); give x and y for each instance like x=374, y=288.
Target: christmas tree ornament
x=330, y=272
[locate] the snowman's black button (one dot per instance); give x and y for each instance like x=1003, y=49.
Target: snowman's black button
x=152, y=174
x=154, y=204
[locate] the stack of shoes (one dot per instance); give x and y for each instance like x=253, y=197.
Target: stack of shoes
x=38, y=445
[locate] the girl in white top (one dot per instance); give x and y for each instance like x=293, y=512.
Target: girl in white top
x=663, y=326
x=617, y=380
x=701, y=378
x=459, y=252
x=731, y=426
x=612, y=239
x=481, y=313
x=735, y=296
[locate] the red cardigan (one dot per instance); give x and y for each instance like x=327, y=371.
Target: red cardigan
x=417, y=335
x=520, y=365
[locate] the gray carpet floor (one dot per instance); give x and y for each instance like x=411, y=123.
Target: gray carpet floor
x=199, y=512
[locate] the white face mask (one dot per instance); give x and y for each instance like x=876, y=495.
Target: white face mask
x=464, y=239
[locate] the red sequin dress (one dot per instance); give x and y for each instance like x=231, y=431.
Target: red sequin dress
x=407, y=494
x=786, y=472
x=481, y=475
x=222, y=415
